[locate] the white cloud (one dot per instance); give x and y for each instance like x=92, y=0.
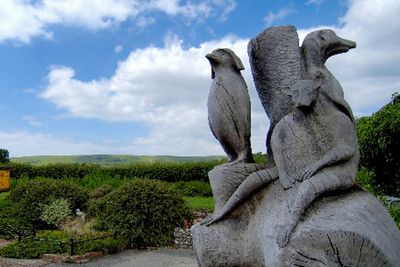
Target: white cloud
x=143, y=22
x=271, y=18
x=22, y=144
x=315, y=2
x=32, y=121
x=118, y=49
x=369, y=73
x=23, y=20
x=167, y=87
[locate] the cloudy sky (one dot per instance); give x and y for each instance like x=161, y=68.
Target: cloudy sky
x=130, y=76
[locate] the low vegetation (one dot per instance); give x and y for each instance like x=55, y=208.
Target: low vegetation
x=139, y=205
x=39, y=213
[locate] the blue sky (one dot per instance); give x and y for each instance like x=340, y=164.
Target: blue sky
x=130, y=77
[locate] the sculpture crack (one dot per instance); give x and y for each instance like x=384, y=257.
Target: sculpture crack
x=310, y=258
x=360, y=252
x=336, y=251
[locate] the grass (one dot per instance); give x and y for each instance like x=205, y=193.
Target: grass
x=3, y=195
x=198, y=203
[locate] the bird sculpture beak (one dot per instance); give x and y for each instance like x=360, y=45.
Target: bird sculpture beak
x=340, y=46
x=212, y=57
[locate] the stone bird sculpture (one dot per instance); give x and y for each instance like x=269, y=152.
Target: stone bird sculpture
x=229, y=106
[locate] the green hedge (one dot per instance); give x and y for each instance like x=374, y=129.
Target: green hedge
x=169, y=172
x=142, y=212
x=30, y=198
x=31, y=249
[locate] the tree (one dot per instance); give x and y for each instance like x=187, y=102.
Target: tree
x=379, y=140
x=4, y=155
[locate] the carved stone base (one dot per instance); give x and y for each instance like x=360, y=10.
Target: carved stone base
x=352, y=228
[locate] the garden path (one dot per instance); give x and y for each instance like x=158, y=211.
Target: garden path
x=142, y=258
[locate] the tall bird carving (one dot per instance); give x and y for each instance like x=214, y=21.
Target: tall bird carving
x=229, y=106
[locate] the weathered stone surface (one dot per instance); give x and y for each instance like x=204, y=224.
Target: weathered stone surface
x=225, y=179
x=276, y=66
x=229, y=105
x=182, y=238
x=304, y=209
x=354, y=221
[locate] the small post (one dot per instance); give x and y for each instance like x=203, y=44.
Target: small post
x=72, y=244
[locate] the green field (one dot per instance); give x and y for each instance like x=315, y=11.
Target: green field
x=110, y=159
x=205, y=203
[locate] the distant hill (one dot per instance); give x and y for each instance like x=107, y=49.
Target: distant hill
x=110, y=159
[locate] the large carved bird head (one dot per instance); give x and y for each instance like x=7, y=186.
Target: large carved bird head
x=325, y=43
x=224, y=57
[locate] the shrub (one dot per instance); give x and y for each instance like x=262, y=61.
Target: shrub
x=53, y=235
x=193, y=188
x=107, y=245
x=56, y=212
x=378, y=137
x=30, y=198
x=31, y=249
x=365, y=178
x=394, y=210
x=144, y=212
x=100, y=192
x=13, y=227
x=4, y=155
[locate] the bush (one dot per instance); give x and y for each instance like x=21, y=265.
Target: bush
x=4, y=155
x=394, y=210
x=13, y=227
x=53, y=235
x=56, y=212
x=143, y=212
x=378, y=137
x=31, y=249
x=30, y=198
x=100, y=192
x=365, y=178
x=107, y=245
x=193, y=188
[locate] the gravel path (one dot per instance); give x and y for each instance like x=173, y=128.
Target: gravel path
x=139, y=258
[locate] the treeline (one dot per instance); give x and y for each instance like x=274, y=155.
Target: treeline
x=379, y=140
x=169, y=172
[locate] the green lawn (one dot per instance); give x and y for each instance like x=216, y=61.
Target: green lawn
x=197, y=203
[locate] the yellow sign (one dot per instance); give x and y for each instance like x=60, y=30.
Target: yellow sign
x=4, y=180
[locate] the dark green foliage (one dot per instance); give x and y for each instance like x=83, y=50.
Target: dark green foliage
x=4, y=155
x=260, y=158
x=6, y=208
x=107, y=245
x=365, y=179
x=394, y=211
x=29, y=198
x=31, y=249
x=11, y=228
x=379, y=140
x=169, y=172
x=143, y=212
x=100, y=192
x=53, y=235
x=193, y=188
